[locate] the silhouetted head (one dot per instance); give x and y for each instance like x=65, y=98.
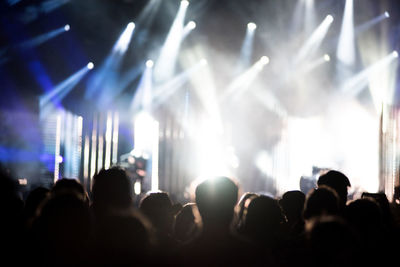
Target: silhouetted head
x=243, y=201
x=338, y=181
x=216, y=199
x=321, y=201
x=185, y=223
x=69, y=186
x=111, y=190
x=365, y=214
x=332, y=241
x=264, y=216
x=34, y=199
x=292, y=203
x=158, y=207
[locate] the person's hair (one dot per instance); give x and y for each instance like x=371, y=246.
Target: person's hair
x=111, y=189
x=216, y=199
x=321, y=201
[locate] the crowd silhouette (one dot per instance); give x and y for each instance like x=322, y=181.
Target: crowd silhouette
x=66, y=226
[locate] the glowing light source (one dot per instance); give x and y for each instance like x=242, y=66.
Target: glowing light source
x=395, y=54
x=251, y=26
x=137, y=188
x=329, y=19
x=327, y=58
x=191, y=25
x=184, y=3
x=67, y=27
x=387, y=15
x=90, y=65
x=203, y=61
x=315, y=40
x=149, y=63
x=123, y=42
x=264, y=60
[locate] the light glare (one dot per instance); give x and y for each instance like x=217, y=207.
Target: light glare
x=67, y=27
x=192, y=25
x=395, y=54
x=264, y=60
x=90, y=65
x=387, y=15
x=185, y=3
x=149, y=63
x=327, y=57
x=251, y=26
x=329, y=18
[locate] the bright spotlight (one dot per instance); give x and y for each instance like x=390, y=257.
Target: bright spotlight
x=264, y=60
x=67, y=27
x=149, y=63
x=131, y=26
x=184, y=3
x=251, y=26
x=387, y=15
x=192, y=25
x=90, y=65
x=327, y=57
x=395, y=53
x=203, y=61
x=329, y=18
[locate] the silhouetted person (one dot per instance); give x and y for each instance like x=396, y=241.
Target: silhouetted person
x=241, y=209
x=216, y=245
x=264, y=222
x=292, y=203
x=70, y=186
x=62, y=231
x=122, y=240
x=265, y=226
x=111, y=193
x=186, y=226
x=158, y=208
x=331, y=242
x=366, y=217
x=321, y=201
x=11, y=222
x=32, y=203
x=339, y=182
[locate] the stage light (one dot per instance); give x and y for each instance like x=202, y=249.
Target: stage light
x=395, y=54
x=327, y=57
x=192, y=25
x=67, y=27
x=185, y=3
x=387, y=15
x=90, y=65
x=131, y=26
x=251, y=26
x=346, y=51
x=203, y=62
x=314, y=41
x=149, y=63
x=264, y=60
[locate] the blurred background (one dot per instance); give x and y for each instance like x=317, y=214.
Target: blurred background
x=271, y=93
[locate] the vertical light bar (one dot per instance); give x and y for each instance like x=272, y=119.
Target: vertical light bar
x=57, y=149
x=107, y=160
x=86, y=152
x=115, y=139
x=154, y=157
x=94, y=146
x=100, y=152
x=137, y=188
x=79, y=125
